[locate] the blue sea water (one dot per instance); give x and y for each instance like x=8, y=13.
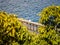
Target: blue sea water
x=27, y=9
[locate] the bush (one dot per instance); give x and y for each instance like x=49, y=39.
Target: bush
x=50, y=17
x=12, y=32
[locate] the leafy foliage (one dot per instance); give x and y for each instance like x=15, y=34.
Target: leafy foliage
x=50, y=17
x=12, y=32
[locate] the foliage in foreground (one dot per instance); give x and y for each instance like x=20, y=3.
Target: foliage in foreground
x=50, y=17
x=12, y=32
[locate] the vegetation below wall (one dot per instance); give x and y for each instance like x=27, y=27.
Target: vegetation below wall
x=50, y=17
x=13, y=32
